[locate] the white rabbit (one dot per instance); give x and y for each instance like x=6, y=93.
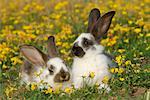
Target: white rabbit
x=38, y=66
x=89, y=56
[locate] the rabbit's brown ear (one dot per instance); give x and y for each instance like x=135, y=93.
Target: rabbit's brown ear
x=102, y=25
x=33, y=55
x=52, y=50
x=93, y=17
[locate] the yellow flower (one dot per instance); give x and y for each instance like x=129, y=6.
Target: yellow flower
x=130, y=22
x=112, y=41
x=115, y=6
x=55, y=16
x=15, y=60
x=86, y=23
x=4, y=67
x=121, y=50
x=9, y=90
x=126, y=40
x=63, y=51
x=29, y=27
x=121, y=70
x=121, y=79
x=116, y=70
x=112, y=70
x=32, y=36
x=148, y=48
x=92, y=75
x=140, y=22
x=57, y=91
x=128, y=62
x=68, y=90
x=48, y=91
x=60, y=5
x=33, y=86
x=146, y=26
x=119, y=59
x=39, y=7
x=58, y=43
x=136, y=71
x=45, y=38
x=51, y=26
x=105, y=79
x=97, y=84
x=137, y=30
x=68, y=58
x=124, y=12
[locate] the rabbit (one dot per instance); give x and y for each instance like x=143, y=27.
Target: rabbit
x=88, y=55
x=50, y=67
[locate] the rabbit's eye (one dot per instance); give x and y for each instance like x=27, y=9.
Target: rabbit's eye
x=87, y=42
x=51, y=69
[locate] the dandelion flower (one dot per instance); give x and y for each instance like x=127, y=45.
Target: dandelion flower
x=121, y=70
x=112, y=70
x=33, y=86
x=48, y=91
x=116, y=70
x=4, y=67
x=92, y=75
x=137, y=30
x=128, y=62
x=126, y=40
x=121, y=50
x=9, y=90
x=68, y=90
x=105, y=79
x=121, y=79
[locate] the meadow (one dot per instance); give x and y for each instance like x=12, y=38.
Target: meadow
x=32, y=21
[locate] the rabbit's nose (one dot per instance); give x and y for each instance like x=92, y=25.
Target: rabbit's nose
x=65, y=76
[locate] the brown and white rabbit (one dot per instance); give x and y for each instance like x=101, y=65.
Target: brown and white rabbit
x=48, y=68
x=89, y=55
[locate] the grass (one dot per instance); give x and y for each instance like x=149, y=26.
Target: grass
x=31, y=22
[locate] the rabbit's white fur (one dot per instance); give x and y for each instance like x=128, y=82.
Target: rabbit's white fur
x=45, y=76
x=94, y=60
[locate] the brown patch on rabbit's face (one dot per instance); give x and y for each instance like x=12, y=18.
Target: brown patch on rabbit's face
x=83, y=43
x=62, y=76
x=58, y=70
x=87, y=43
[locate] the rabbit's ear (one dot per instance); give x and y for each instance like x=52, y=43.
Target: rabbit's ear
x=52, y=50
x=33, y=55
x=93, y=17
x=102, y=25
